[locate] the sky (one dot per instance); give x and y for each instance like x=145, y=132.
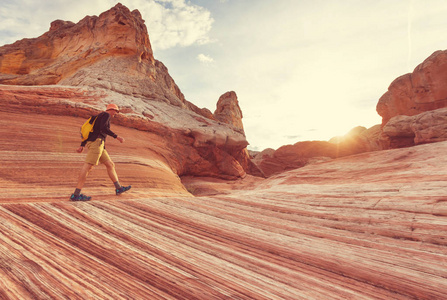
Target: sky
x=302, y=69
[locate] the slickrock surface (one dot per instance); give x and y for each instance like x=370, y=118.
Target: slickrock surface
x=39, y=161
x=370, y=226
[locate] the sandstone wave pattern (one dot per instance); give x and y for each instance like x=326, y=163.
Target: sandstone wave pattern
x=369, y=226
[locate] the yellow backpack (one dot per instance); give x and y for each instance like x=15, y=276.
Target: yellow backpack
x=87, y=127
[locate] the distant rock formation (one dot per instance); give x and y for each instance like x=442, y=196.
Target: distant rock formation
x=412, y=109
x=289, y=157
x=108, y=59
x=423, y=90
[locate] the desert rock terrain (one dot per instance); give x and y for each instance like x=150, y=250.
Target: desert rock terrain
x=368, y=226
x=77, y=69
x=363, y=216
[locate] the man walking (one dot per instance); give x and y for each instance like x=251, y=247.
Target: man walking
x=98, y=154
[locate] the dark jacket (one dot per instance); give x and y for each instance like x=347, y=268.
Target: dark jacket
x=101, y=129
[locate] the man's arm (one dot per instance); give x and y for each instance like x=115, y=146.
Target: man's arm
x=104, y=126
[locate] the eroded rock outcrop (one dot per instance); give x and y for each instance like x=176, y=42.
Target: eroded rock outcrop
x=407, y=131
x=110, y=51
x=412, y=109
x=421, y=91
x=109, y=59
x=413, y=112
x=193, y=145
x=228, y=110
x=289, y=157
x=67, y=47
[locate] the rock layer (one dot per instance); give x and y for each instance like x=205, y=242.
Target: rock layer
x=39, y=161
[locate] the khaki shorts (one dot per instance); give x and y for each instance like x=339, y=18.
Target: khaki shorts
x=96, y=153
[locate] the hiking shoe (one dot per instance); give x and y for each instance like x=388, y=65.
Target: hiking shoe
x=122, y=189
x=80, y=197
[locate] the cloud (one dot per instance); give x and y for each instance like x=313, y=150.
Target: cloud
x=29, y=19
x=292, y=137
x=205, y=58
x=173, y=23
x=170, y=23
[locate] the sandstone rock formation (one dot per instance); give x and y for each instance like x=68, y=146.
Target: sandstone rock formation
x=192, y=144
x=228, y=110
x=109, y=59
x=111, y=51
x=39, y=161
x=289, y=157
x=406, y=131
x=67, y=47
x=421, y=91
x=412, y=110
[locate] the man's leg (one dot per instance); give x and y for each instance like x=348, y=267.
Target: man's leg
x=86, y=168
x=95, y=150
x=77, y=196
x=114, y=177
x=111, y=170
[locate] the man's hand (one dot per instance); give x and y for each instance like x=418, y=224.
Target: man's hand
x=80, y=149
x=121, y=139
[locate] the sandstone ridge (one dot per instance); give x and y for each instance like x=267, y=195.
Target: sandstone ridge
x=110, y=51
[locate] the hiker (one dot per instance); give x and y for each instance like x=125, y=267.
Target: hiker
x=98, y=154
